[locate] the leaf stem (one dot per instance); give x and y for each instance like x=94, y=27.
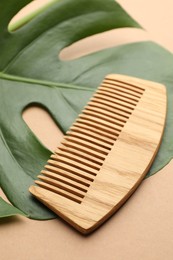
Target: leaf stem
x=42, y=82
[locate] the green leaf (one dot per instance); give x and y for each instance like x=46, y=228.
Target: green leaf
x=7, y=210
x=32, y=73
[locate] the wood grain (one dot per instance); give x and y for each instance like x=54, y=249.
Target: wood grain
x=106, y=153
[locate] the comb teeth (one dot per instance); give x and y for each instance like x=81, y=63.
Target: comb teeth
x=125, y=87
x=75, y=164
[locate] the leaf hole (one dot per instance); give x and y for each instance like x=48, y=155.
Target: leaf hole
x=43, y=126
x=102, y=41
x=27, y=13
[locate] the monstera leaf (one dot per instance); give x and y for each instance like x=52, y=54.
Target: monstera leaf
x=7, y=210
x=32, y=73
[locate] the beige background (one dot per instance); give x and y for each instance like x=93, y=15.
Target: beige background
x=143, y=227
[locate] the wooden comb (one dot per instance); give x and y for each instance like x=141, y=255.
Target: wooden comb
x=106, y=153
